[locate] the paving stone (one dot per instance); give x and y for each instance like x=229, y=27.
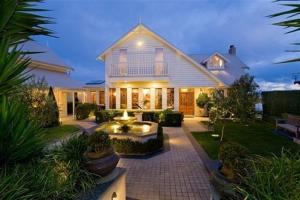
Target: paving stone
x=175, y=174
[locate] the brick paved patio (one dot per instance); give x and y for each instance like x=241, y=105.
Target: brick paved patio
x=175, y=174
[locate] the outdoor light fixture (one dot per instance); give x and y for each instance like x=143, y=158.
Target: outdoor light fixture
x=114, y=196
x=139, y=43
x=215, y=135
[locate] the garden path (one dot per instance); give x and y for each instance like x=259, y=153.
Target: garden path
x=175, y=174
x=194, y=124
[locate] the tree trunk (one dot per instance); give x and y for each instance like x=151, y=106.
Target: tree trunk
x=222, y=133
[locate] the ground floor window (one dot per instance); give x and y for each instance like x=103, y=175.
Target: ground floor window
x=112, y=98
x=101, y=98
x=93, y=97
x=170, y=98
x=158, y=98
x=135, y=98
x=123, y=98
x=146, y=98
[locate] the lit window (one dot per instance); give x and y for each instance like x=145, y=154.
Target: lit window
x=123, y=98
x=158, y=98
x=146, y=98
x=159, y=61
x=112, y=98
x=123, y=62
x=216, y=62
x=170, y=98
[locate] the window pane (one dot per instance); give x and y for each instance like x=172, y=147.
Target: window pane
x=158, y=98
x=123, y=98
x=135, y=98
x=93, y=97
x=159, y=61
x=146, y=98
x=170, y=98
x=112, y=98
x=101, y=98
x=123, y=62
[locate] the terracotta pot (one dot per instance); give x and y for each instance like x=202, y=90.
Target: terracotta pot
x=103, y=166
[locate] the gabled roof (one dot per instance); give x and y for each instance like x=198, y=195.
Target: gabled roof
x=233, y=69
x=46, y=55
x=215, y=54
x=142, y=27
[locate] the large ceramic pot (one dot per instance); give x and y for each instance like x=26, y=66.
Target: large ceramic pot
x=102, y=163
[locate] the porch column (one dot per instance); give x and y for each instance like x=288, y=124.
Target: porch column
x=176, y=98
x=106, y=97
x=118, y=94
x=97, y=97
x=164, y=98
x=73, y=104
x=129, y=98
x=152, y=98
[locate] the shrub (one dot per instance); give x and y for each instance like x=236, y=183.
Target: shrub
x=173, y=119
x=84, y=110
x=272, y=178
x=202, y=100
x=232, y=155
x=20, y=137
x=98, y=141
x=101, y=116
x=61, y=174
x=133, y=147
x=151, y=116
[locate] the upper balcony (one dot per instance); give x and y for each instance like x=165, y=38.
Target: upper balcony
x=137, y=65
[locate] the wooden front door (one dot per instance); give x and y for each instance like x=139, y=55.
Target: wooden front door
x=186, y=101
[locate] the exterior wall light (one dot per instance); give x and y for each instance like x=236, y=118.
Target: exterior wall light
x=114, y=196
x=139, y=43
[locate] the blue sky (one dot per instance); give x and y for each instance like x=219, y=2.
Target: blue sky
x=86, y=27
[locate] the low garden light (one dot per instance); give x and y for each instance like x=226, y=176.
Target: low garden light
x=215, y=135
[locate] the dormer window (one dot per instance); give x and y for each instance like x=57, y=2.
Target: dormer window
x=215, y=62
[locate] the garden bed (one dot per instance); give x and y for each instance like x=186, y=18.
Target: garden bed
x=257, y=137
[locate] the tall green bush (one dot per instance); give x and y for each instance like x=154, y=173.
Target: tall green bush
x=277, y=102
x=242, y=97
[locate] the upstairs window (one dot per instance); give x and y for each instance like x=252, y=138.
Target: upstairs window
x=123, y=62
x=159, y=61
x=215, y=62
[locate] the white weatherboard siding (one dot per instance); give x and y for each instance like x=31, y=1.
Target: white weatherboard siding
x=181, y=72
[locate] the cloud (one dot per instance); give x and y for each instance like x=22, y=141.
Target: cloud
x=270, y=86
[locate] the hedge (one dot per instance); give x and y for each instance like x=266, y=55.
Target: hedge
x=277, y=102
x=133, y=147
x=84, y=110
x=165, y=118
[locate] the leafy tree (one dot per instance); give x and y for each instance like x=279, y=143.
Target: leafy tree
x=242, y=96
x=292, y=21
x=220, y=109
x=202, y=102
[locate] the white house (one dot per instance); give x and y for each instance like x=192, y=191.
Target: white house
x=143, y=70
x=48, y=65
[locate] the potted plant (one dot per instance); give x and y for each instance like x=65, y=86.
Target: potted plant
x=101, y=158
x=202, y=102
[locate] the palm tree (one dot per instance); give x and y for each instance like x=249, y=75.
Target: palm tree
x=292, y=23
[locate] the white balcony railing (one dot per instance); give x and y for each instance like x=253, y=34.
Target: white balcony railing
x=138, y=65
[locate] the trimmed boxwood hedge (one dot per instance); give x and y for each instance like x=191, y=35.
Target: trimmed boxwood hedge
x=133, y=147
x=84, y=110
x=165, y=118
x=277, y=102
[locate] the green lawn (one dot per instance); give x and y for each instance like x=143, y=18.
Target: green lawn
x=59, y=132
x=258, y=137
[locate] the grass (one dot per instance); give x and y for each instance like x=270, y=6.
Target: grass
x=258, y=137
x=59, y=132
